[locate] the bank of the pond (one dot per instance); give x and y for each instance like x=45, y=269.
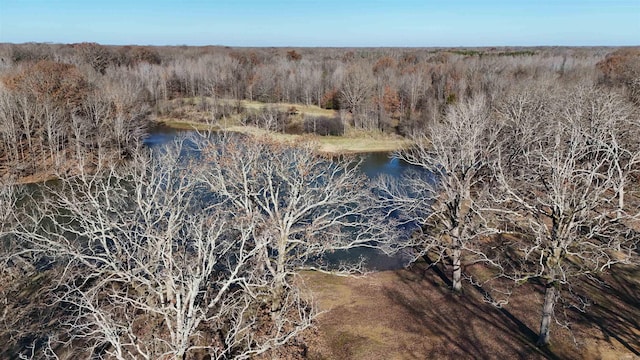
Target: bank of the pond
x=48, y=171
x=352, y=143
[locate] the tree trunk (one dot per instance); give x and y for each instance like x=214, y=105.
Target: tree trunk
x=620, y=211
x=455, y=261
x=547, y=312
x=280, y=276
x=457, y=271
x=278, y=293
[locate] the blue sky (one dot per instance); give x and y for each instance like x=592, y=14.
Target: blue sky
x=323, y=23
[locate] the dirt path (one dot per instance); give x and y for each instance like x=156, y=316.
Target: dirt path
x=411, y=314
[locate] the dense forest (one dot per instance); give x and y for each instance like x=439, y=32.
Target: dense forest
x=524, y=161
x=57, y=98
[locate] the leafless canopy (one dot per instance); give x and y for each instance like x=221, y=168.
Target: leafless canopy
x=195, y=249
x=305, y=204
x=562, y=189
x=153, y=264
x=446, y=195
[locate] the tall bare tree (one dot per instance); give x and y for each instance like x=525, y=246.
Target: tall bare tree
x=609, y=122
x=357, y=88
x=556, y=189
x=445, y=196
x=305, y=205
x=155, y=267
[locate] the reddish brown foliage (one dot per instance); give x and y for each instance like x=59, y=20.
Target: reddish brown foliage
x=293, y=110
x=293, y=55
x=622, y=67
x=384, y=63
x=61, y=84
x=390, y=100
x=619, y=62
x=246, y=58
x=140, y=54
x=330, y=99
x=96, y=55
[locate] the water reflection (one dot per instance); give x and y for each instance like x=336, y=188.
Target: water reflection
x=160, y=135
x=376, y=164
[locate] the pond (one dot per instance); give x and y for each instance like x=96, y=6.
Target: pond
x=372, y=165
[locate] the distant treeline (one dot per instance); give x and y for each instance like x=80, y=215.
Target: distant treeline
x=89, y=100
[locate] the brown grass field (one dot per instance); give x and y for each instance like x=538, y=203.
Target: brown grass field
x=412, y=314
x=354, y=141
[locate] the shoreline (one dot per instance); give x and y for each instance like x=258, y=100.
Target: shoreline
x=361, y=143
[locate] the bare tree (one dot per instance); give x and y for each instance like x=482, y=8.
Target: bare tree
x=304, y=204
x=126, y=124
x=155, y=267
x=10, y=128
x=610, y=123
x=413, y=86
x=445, y=196
x=555, y=189
x=309, y=77
x=265, y=84
x=272, y=119
x=52, y=113
x=7, y=204
x=356, y=90
x=98, y=56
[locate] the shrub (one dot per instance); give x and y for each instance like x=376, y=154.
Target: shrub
x=323, y=125
x=293, y=55
x=269, y=118
x=331, y=100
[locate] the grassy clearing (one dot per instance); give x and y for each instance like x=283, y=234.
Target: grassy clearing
x=411, y=314
x=303, y=109
x=361, y=143
x=190, y=118
x=341, y=144
x=187, y=124
x=325, y=144
x=258, y=132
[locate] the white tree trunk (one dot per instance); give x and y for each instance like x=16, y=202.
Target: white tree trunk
x=620, y=211
x=457, y=271
x=547, y=313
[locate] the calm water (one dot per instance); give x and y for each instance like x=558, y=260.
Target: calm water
x=373, y=165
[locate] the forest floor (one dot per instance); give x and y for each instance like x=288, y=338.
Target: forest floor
x=412, y=314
